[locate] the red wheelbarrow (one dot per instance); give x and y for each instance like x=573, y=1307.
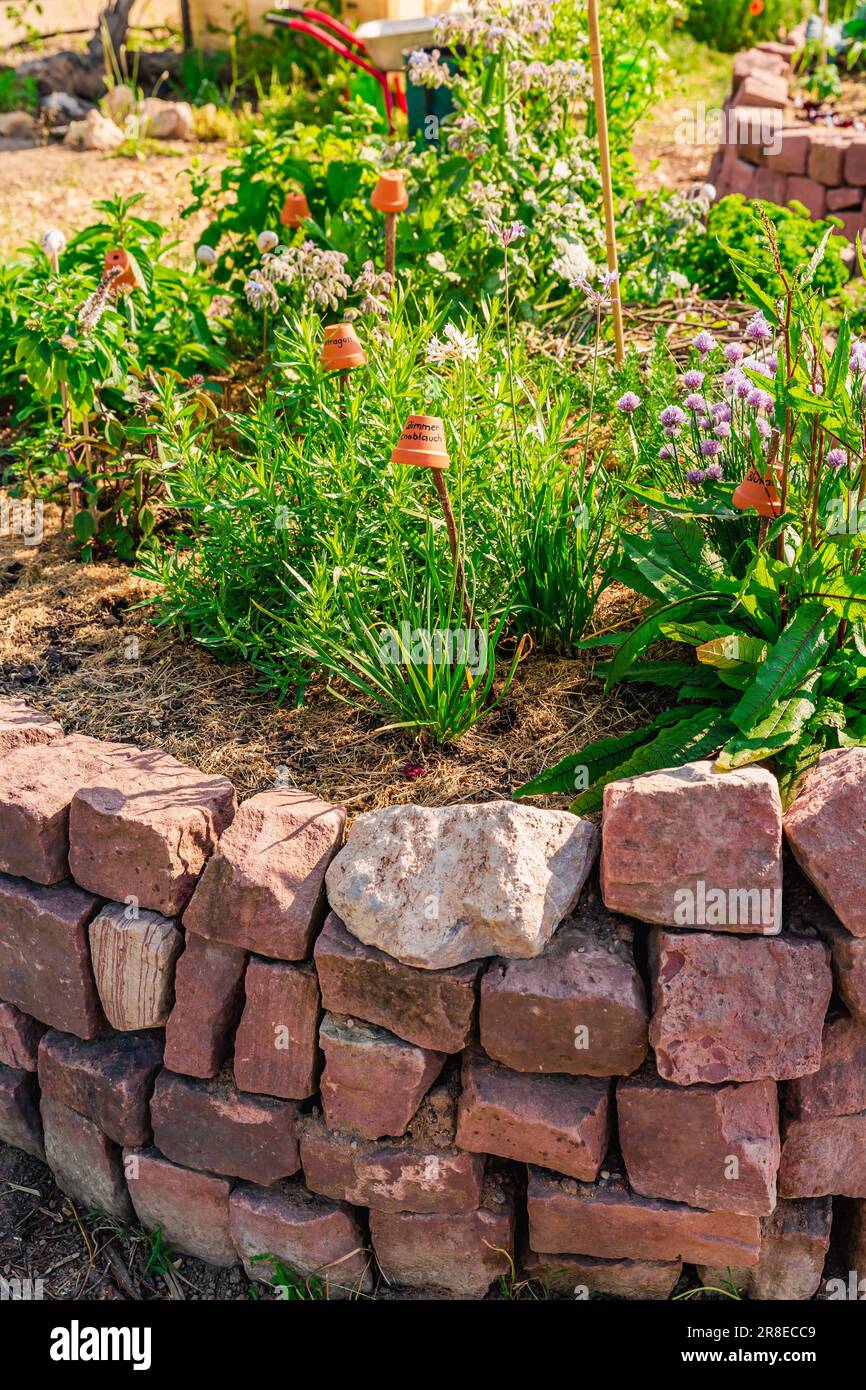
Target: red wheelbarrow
x=377, y=47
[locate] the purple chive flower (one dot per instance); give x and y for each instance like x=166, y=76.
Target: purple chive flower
x=628, y=403
x=715, y=473
x=672, y=417
x=744, y=388
x=734, y=353
x=760, y=400
x=773, y=363
x=722, y=430
x=667, y=451
x=695, y=402
x=721, y=412
x=693, y=380
x=837, y=458
x=758, y=330
x=709, y=448
x=704, y=422
x=763, y=427
x=732, y=378
x=704, y=342
x=695, y=475
x=857, y=360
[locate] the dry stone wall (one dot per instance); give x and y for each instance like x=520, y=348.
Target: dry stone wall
x=766, y=152
x=226, y=1023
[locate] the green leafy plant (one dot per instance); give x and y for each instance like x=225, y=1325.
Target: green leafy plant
x=776, y=626
x=734, y=225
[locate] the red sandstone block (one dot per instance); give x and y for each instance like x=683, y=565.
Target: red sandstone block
x=461, y=1255
x=855, y=159
x=812, y=195
x=824, y=1157
x=20, y=1124
x=84, y=1161
x=276, y=1047
x=44, y=957
x=853, y=225
x=771, y=186
x=19, y=1038
x=715, y=1147
x=208, y=996
x=133, y=955
x=373, y=1082
x=826, y=159
x=390, y=1174
x=578, y=1276
x=765, y=89
x=146, y=828
x=212, y=1125
x=313, y=1237
x=578, y=1008
x=21, y=726
x=732, y=1008
x=794, y=1245
x=607, y=1220
x=741, y=178
x=845, y=199
x=688, y=846
x=36, y=791
x=755, y=61
x=849, y=963
x=559, y=1122
x=109, y=1080
x=793, y=155
x=431, y=1008
x=190, y=1209
x=838, y=1087
x=264, y=888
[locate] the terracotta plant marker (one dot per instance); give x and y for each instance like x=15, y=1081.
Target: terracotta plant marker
x=296, y=210
x=758, y=494
x=118, y=259
x=422, y=445
x=390, y=197
x=342, y=349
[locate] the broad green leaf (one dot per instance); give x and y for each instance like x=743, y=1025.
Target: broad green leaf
x=647, y=631
x=779, y=729
x=691, y=738
x=843, y=594
x=795, y=655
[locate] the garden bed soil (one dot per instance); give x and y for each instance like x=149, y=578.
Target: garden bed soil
x=77, y=642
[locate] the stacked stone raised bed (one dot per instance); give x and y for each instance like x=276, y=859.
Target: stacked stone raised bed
x=823, y=167
x=455, y=1068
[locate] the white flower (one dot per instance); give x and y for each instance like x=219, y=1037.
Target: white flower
x=52, y=241
x=266, y=241
x=458, y=347
x=206, y=255
x=437, y=261
x=572, y=261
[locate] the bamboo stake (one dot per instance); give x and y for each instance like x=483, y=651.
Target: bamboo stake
x=604, y=165
x=451, y=526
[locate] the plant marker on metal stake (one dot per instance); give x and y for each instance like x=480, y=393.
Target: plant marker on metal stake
x=604, y=168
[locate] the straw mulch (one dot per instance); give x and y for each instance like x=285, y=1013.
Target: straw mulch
x=76, y=640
